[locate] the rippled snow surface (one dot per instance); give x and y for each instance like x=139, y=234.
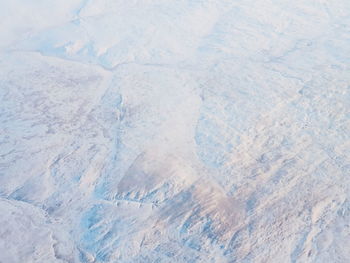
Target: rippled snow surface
x=174, y=131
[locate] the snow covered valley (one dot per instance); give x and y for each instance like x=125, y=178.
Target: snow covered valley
x=156, y=131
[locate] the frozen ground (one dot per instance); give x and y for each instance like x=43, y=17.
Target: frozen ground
x=174, y=131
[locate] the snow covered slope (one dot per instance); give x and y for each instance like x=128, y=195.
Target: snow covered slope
x=174, y=131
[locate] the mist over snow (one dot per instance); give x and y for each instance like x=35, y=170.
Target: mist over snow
x=151, y=131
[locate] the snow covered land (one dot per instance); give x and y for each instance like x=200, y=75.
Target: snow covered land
x=151, y=131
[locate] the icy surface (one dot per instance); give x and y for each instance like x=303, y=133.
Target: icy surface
x=174, y=131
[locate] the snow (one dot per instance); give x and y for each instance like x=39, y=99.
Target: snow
x=174, y=131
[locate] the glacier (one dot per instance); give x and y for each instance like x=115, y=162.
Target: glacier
x=174, y=131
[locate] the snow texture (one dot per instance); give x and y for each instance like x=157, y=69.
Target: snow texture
x=154, y=131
